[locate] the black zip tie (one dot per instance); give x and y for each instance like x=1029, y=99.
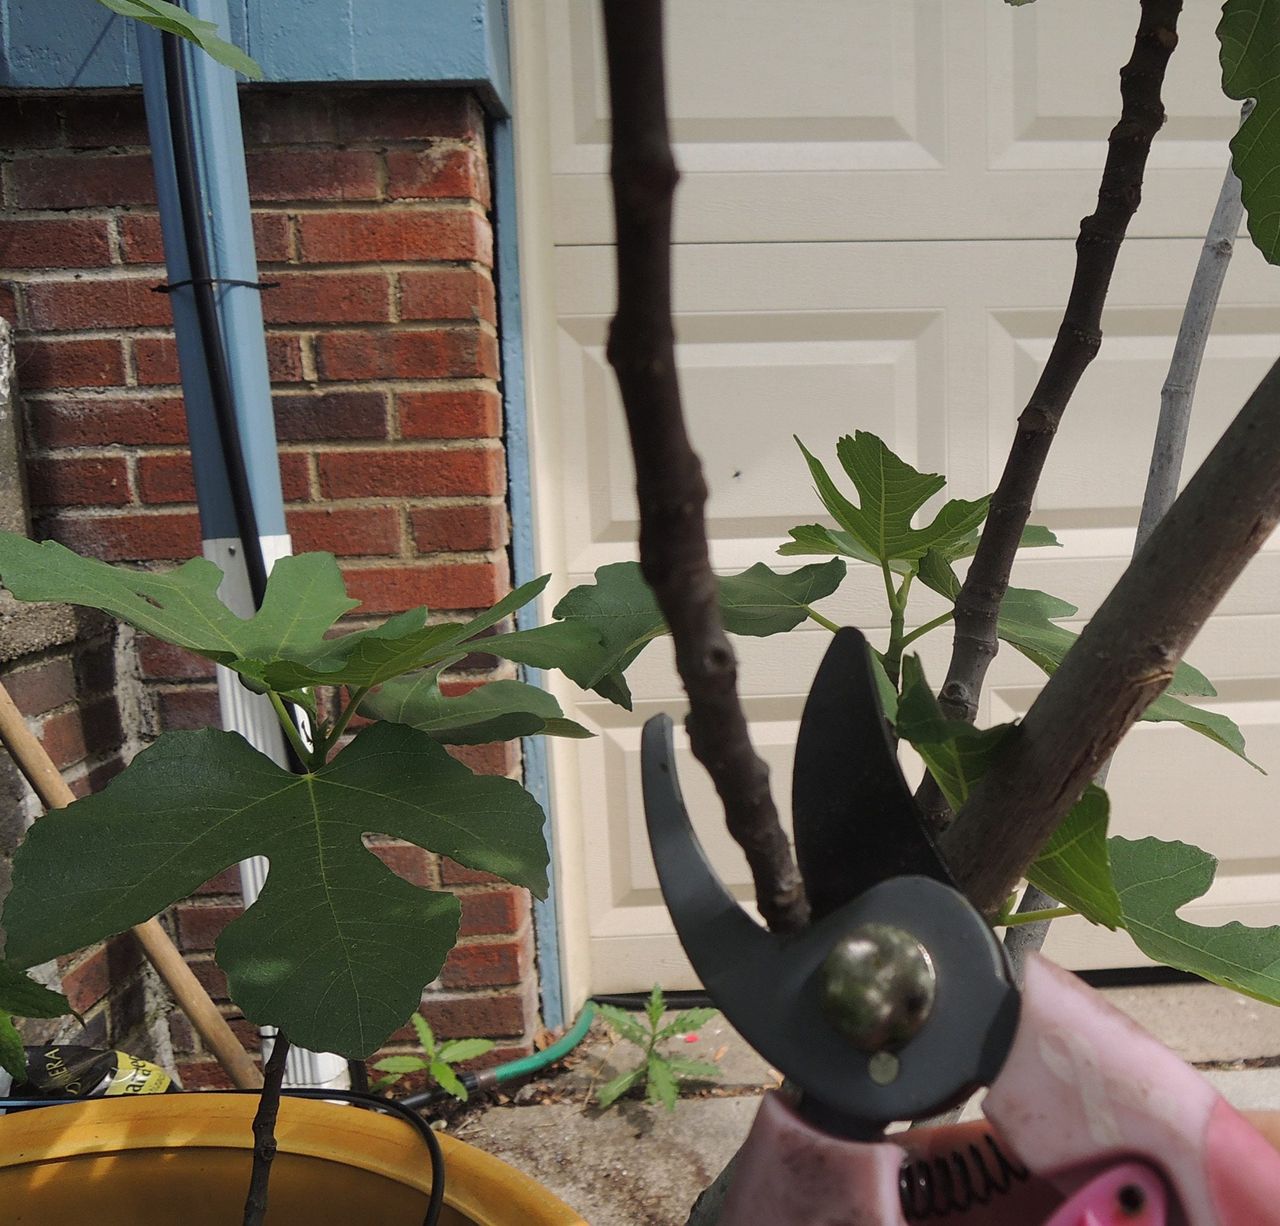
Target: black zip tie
x=176, y=285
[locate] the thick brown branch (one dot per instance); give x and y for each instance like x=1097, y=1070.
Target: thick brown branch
x=669, y=482
x=264, y=1134
x=1126, y=655
x=1078, y=340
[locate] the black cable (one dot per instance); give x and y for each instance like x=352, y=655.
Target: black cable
x=435, y=1202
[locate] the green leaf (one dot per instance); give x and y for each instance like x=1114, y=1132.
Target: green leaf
x=814, y=538
x=654, y=1007
x=22, y=996
x=12, y=1057
x=498, y=711
x=458, y=1051
x=686, y=1022
x=426, y=1037
x=1216, y=726
x=1249, y=33
x=401, y=1064
x=890, y=493
x=612, y=1090
x=661, y=1084
x=884, y=687
x=448, y=1081
x=1154, y=879
x=699, y=1070
x=601, y=627
x=337, y=948
x=174, y=20
x=626, y=1025
x=1074, y=866
x=956, y=753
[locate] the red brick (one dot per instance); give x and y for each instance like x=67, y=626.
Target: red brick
x=79, y=242
x=226, y=882
x=312, y=416
x=69, y=363
x=466, y=413
x=81, y=182
x=412, y=113
x=202, y=1075
x=94, y=728
x=373, y=531
x=160, y=661
x=295, y=476
x=128, y=538
x=462, y=585
x=101, y=420
x=142, y=243
x=287, y=115
x=470, y=1015
x=496, y=758
x=329, y=174
x=156, y=359
x=212, y=977
x=188, y=710
x=443, y=529
x=438, y=353
x=61, y=306
x=447, y=293
x=320, y=297
x=166, y=477
x=40, y=689
x=95, y=668
x=395, y=234
x=107, y=966
x=438, y=174
x=486, y=912
x=76, y=482
x=405, y=860
x=31, y=123
x=102, y=119
x=9, y=305
x=453, y=873
x=486, y=966
x=411, y=473
x=98, y=777
x=200, y=925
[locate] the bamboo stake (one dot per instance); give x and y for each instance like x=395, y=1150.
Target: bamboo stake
x=192, y=999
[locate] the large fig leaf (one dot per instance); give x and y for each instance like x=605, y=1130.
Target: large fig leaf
x=21, y=996
x=600, y=628
x=499, y=711
x=890, y=493
x=1075, y=867
x=1249, y=33
x=1155, y=879
x=337, y=948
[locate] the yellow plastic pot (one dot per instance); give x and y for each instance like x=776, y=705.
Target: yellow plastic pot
x=183, y=1159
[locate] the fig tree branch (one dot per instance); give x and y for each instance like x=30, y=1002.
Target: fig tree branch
x=1125, y=656
x=1078, y=340
x=669, y=483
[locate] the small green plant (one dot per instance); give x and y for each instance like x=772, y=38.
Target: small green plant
x=435, y=1060
x=660, y=1072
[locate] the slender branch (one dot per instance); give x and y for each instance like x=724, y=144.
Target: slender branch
x=344, y=718
x=291, y=733
x=1042, y=916
x=921, y=631
x=1126, y=655
x=264, y=1133
x=1167, y=451
x=825, y=622
x=1078, y=340
x=670, y=488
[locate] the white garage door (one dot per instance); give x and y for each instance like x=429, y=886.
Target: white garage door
x=875, y=230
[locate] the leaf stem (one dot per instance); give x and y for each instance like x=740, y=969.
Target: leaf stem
x=291, y=732
x=344, y=717
x=1034, y=917
x=897, y=618
x=825, y=622
x=920, y=631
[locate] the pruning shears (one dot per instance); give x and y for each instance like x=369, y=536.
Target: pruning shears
x=897, y=1003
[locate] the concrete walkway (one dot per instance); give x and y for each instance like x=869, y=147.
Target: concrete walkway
x=635, y=1165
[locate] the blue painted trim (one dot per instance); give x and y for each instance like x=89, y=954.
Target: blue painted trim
x=224, y=189
x=62, y=44
x=523, y=557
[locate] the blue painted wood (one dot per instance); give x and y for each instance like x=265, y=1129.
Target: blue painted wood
x=60, y=44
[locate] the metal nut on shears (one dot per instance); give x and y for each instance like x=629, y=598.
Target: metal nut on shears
x=878, y=987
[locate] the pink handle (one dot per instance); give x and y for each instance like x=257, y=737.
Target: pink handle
x=1128, y=1195
x=1085, y=1087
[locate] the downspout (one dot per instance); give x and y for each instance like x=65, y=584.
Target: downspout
x=222, y=188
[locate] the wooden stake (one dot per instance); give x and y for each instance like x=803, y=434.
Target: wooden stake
x=191, y=998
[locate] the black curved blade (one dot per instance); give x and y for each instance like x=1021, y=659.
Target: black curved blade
x=854, y=819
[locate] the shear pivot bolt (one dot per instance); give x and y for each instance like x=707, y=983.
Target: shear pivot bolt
x=878, y=986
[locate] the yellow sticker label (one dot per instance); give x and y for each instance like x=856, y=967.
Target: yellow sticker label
x=136, y=1076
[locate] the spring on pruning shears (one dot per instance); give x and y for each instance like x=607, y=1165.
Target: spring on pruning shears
x=957, y=1181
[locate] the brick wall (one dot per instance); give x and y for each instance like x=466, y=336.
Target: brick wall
x=370, y=210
